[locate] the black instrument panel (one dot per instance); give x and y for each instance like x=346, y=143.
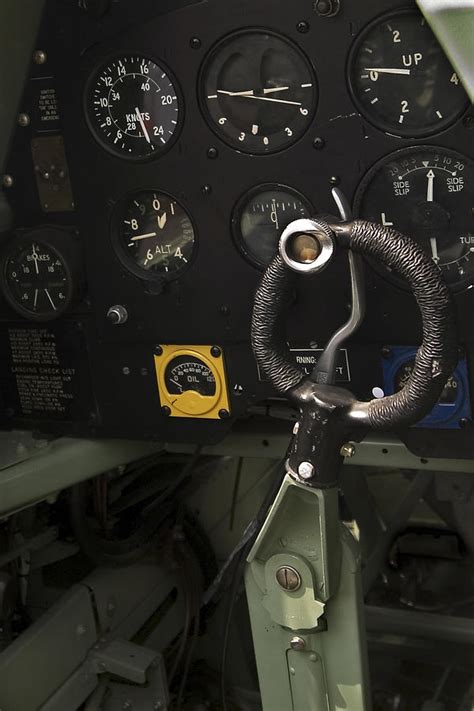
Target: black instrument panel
x=184, y=262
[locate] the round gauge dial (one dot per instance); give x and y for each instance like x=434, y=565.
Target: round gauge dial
x=37, y=280
x=185, y=373
x=449, y=395
x=132, y=106
x=154, y=235
x=401, y=79
x=260, y=217
x=258, y=91
x=426, y=193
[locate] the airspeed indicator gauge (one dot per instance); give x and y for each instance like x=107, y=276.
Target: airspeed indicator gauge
x=401, y=79
x=258, y=91
x=153, y=235
x=426, y=193
x=132, y=107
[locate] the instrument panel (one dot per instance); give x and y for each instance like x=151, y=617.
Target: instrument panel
x=192, y=136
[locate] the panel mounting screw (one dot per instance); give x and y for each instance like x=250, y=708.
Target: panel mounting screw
x=318, y=143
x=347, y=450
x=288, y=578
x=158, y=350
x=195, y=43
x=39, y=57
x=297, y=643
x=212, y=152
x=334, y=180
x=224, y=414
x=23, y=120
x=206, y=190
x=302, y=27
x=166, y=410
x=215, y=351
x=306, y=470
x=7, y=181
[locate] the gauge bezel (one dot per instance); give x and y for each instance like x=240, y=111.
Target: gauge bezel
x=239, y=208
x=93, y=73
x=379, y=124
x=15, y=242
x=367, y=178
x=124, y=258
x=208, y=60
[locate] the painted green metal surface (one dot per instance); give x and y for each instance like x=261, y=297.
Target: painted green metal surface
x=330, y=671
x=62, y=463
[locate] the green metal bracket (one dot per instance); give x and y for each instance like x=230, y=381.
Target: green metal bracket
x=305, y=600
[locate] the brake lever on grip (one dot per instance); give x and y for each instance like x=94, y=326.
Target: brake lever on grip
x=328, y=413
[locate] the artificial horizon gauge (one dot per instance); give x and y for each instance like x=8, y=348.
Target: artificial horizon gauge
x=192, y=382
x=260, y=217
x=153, y=235
x=258, y=91
x=132, y=106
x=401, y=79
x=39, y=273
x=426, y=193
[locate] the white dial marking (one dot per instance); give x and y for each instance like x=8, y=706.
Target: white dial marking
x=254, y=129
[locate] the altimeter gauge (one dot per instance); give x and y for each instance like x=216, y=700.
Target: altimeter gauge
x=153, y=235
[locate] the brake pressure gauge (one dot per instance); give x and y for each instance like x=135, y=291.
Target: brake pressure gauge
x=39, y=271
x=191, y=381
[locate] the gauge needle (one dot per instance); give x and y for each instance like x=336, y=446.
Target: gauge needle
x=50, y=299
x=34, y=254
x=385, y=70
x=251, y=95
x=145, y=236
x=235, y=93
x=140, y=120
x=276, y=88
x=429, y=191
x=434, y=249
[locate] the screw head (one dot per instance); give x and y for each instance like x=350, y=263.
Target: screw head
x=302, y=27
x=215, y=351
x=386, y=352
x=297, y=643
x=195, y=43
x=158, y=350
x=7, y=181
x=39, y=57
x=212, y=153
x=206, y=190
x=23, y=120
x=224, y=414
x=334, y=180
x=464, y=422
x=288, y=578
x=166, y=410
x=347, y=450
x=318, y=143
x=305, y=470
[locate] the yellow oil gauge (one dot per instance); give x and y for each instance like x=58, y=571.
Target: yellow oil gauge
x=191, y=381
